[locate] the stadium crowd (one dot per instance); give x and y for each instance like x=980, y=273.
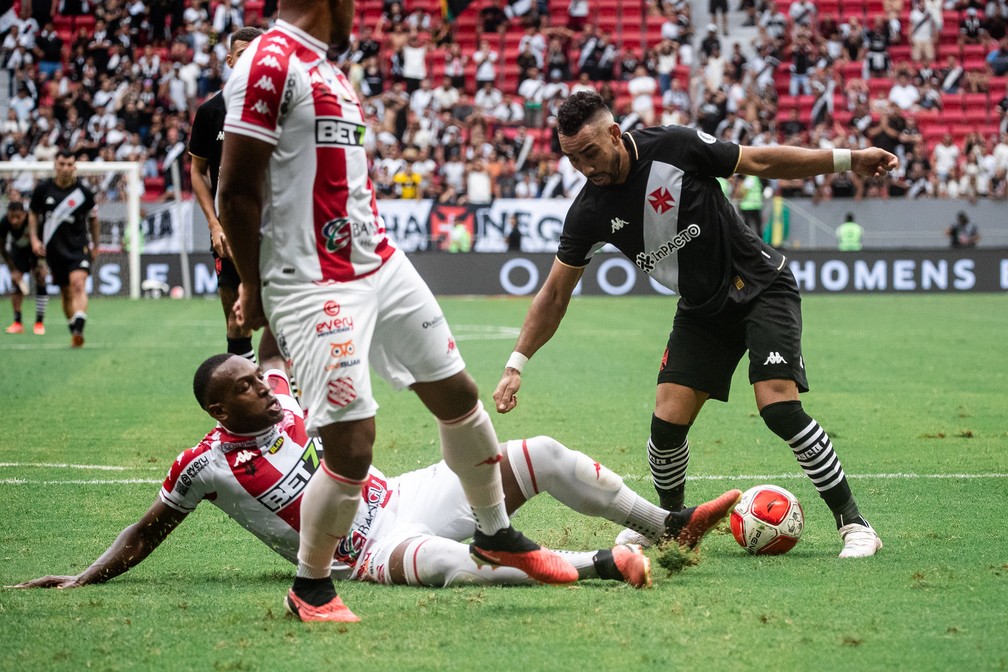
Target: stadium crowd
x=462, y=115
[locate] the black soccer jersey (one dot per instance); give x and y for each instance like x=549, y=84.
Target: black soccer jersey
x=671, y=218
x=63, y=217
x=19, y=239
x=207, y=137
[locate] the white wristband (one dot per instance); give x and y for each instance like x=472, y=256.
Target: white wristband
x=841, y=160
x=516, y=361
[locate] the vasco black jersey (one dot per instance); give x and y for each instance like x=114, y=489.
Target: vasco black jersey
x=19, y=239
x=671, y=218
x=207, y=138
x=63, y=217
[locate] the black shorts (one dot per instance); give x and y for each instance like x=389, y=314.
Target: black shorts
x=717, y=6
x=227, y=274
x=61, y=267
x=24, y=259
x=703, y=352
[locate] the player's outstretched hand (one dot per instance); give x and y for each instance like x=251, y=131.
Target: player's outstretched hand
x=873, y=162
x=50, y=582
x=249, y=309
x=506, y=394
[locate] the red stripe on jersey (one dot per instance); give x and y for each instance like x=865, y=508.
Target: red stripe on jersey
x=528, y=463
x=266, y=80
x=255, y=473
x=185, y=460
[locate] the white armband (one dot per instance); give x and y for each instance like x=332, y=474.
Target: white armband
x=516, y=361
x=841, y=160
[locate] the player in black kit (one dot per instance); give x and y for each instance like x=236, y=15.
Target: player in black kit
x=63, y=227
x=22, y=262
x=205, y=144
x=653, y=194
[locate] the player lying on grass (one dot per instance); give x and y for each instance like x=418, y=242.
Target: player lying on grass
x=255, y=464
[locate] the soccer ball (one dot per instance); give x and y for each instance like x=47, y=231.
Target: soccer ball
x=768, y=520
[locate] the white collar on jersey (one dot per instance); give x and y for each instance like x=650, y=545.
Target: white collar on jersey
x=314, y=43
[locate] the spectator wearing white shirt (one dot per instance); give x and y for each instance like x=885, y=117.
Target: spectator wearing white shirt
x=478, y=184
x=643, y=88
x=488, y=97
x=414, y=62
x=509, y=111
x=422, y=98
x=485, y=59
x=903, y=93
x=536, y=44
x=945, y=158
x=446, y=96
x=922, y=33
x=532, y=90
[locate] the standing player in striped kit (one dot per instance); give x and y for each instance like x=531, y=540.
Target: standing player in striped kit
x=653, y=194
x=339, y=296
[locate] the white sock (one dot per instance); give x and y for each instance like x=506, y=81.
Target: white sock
x=469, y=447
x=328, y=506
x=543, y=464
x=439, y=562
x=583, y=561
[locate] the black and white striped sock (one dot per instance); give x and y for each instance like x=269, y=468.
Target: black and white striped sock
x=813, y=449
x=668, y=456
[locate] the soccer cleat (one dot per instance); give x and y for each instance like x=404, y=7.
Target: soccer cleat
x=633, y=537
x=15, y=328
x=860, y=541
x=39, y=329
x=76, y=340
x=690, y=525
x=511, y=548
x=633, y=565
x=333, y=611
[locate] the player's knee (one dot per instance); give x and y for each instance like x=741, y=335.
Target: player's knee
x=666, y=434
x=785, y=418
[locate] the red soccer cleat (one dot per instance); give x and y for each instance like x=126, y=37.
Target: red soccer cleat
x=15, y=328
x=511, y=548
x=39, y=329
x=690, y=525
x=633, y=565
x=333, y=611
x=77, y=340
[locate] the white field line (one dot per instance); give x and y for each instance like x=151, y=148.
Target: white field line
x=769, y=478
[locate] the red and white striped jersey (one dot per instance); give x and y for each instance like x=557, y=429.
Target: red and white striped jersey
x=320, y=217
x=259, y=480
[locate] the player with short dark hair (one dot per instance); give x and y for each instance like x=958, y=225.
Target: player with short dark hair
x=256, y=463
x=15, y=246
x=205, y=143
x=653, y=193
x=63, y=226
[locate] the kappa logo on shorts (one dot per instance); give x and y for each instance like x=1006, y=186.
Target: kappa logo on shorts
x=341, y=392
x=775, y=358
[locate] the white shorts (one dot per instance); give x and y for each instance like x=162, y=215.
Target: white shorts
x=330, y=333
x=428, y=501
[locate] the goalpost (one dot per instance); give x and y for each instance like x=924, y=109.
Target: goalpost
x=118, y=195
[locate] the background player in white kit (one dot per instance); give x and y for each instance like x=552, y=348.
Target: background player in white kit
x=256, y=463
x=339, y=296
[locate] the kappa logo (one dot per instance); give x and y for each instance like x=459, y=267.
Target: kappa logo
x=279, y=40
x=270, y=62
x=618, y=224
x=661, y=200
x=220, y=136
x=274, y=49
x=266, y=84
x=775, y=358
x=243, y=457
x=261, y=107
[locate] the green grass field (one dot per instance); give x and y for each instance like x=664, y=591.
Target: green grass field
x=911, y=388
